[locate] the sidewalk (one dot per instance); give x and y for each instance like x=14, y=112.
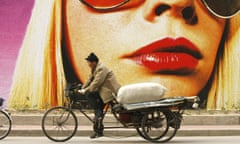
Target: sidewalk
x=195, y=123
x=185, y=130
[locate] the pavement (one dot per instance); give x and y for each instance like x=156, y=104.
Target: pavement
x=195, y=123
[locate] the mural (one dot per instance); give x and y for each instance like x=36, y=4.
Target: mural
x=190, y=47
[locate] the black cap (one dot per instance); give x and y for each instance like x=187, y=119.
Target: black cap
x=92, y=58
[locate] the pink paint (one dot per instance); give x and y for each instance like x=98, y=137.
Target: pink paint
x=14, y=17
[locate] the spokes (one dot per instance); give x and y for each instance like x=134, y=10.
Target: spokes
x=156, y=126
x=59, y=124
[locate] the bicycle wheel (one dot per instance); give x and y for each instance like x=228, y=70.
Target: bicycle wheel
x=170, y=125
x=5, y=124
x=59, y=124
x=174, y=123
x=154, y=126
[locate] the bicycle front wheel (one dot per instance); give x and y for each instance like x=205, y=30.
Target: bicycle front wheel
x=5, y=124
x=59, y=124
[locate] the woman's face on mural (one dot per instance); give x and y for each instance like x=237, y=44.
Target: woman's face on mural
x=173, y=42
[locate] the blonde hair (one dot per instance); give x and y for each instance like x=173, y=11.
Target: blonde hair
x=39, y=80
x=224, y=93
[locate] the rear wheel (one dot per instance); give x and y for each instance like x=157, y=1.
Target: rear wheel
x=154, y=125
x=159, y=126
x=59, y=124
x=173, y=126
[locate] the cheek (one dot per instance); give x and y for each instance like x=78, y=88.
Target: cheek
x=99, y=26
x=207, y=35
x=99, y=34
x=209, y=30
x=210, y=41
x=210, y=36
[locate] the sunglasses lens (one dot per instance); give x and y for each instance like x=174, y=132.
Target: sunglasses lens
x=223, y=8
x=104, y=3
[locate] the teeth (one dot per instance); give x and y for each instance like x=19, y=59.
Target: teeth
x=167, y=61
x=174, y=58
x=152, y=58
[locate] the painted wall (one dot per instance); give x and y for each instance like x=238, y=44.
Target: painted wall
x=14, y=19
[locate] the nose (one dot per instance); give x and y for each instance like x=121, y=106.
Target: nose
x=180, y=9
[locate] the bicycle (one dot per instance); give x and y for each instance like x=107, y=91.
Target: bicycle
x=5, y=121
x=155, y=121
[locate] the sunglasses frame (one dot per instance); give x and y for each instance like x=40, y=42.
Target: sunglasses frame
x=104, y=8
x=126, y=1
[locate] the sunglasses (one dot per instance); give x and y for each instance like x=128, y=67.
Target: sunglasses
x=220, y=8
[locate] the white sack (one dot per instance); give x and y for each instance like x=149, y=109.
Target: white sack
x=140, y=92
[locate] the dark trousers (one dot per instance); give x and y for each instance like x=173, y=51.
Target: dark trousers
x=97, y=104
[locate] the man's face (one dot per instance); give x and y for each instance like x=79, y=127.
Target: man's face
x=92, y=65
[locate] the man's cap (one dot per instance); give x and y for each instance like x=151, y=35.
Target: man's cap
x=92, y=57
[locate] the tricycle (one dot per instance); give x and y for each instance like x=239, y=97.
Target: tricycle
x=154, y=120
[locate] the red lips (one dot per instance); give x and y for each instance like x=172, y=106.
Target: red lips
x=168, y=55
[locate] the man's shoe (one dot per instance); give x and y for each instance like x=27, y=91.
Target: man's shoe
x=96, y=135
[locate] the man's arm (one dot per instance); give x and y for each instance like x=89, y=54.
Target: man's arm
x=99, y=77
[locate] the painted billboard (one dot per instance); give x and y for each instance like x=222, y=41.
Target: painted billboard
x=190, y=47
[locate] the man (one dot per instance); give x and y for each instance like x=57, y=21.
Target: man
x=99, y=90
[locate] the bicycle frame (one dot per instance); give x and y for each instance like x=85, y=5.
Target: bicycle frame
x=105, y=110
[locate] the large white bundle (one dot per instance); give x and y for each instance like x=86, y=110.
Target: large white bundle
x=140, y=92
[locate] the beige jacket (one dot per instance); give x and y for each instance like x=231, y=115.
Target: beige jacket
x=104, y=81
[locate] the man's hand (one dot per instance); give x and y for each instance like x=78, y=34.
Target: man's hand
x=82, y=91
